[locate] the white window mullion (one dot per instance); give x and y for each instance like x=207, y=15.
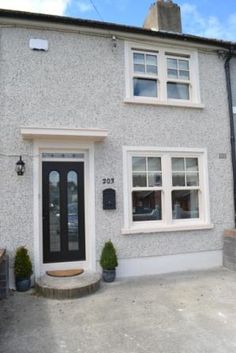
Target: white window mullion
x=162, y=72
x=202, y=194
x=167, y=182
x=130, y=188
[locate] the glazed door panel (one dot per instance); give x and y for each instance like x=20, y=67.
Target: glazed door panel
x=63, y=212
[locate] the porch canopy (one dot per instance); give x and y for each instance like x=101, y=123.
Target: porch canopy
x=91, y=134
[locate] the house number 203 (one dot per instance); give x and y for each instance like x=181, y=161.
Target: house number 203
x=108, y=180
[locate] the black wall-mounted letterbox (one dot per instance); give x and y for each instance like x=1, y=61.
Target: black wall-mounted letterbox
x=109, y=199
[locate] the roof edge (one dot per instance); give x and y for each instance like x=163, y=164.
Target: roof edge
x=109, y=26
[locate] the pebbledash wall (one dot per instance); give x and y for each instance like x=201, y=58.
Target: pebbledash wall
x=80, y=82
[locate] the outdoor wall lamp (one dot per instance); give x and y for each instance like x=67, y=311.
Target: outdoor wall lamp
x=20, y=167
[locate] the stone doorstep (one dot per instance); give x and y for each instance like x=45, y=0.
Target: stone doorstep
x=69, y=287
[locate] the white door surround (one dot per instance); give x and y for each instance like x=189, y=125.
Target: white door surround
x=64, y=140
x=56, y=146
x=42, y=146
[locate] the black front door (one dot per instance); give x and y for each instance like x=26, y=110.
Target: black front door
x=63, y=212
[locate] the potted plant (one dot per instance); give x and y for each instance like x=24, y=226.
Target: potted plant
x=108, y=262
x=22, y=269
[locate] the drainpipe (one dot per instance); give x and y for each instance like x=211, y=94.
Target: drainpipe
x=232, y=131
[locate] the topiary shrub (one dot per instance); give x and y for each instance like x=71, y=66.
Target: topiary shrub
x=23, y=264
x=108, y=260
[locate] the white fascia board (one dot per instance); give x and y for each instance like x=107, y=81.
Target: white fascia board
x=92, y=134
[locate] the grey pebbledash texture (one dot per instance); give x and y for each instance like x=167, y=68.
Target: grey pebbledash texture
x=80, y=82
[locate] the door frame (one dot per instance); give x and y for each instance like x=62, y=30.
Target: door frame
x=64, y=146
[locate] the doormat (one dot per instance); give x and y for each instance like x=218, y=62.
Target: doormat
x=65, y=273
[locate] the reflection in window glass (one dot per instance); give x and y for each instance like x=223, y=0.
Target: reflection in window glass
x=192, y=164
x=139, y=179
x=154, y=179
x=146, y=205
x=184, y=65
x=185, y=172
x=172, y=63
x=54, y=212
x=145, y=87
x=139, y=164
x=178, y=90
x=178, y=164
x=72, y=209
x=178, y=69
x=154, y=164
x=185, y=204
x=145, y=63
x=139, y=58
x=146, y=171
x=192, y=179
x=172, y=73
x=178, y=179
x=183, y=75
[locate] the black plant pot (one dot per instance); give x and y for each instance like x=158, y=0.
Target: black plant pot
x=109, y=275
x=23, y=284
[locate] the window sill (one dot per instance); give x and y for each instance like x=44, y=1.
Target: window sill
x=163, y=229
x=164, y=103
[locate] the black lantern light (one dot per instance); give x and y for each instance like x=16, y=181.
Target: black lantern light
x=20, y=167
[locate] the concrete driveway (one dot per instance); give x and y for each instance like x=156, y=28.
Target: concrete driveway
x=179, y=313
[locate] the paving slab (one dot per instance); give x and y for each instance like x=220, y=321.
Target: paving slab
x=178, y=313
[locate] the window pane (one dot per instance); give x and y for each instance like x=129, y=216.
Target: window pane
x=178, y=164
x=192, y=164
x=184, y=75
x=139, y=68
x=192, y=179
x=72, y=210
x=151, y=59
x=185, y=204
x=62, y=155
x=139, y=179
x=172, y=63
x=151, y=69
x=139, y=58
x=172, y=73
x=178, y=179
x=54, y=211
x=178, y=90
x=139, y=164
x=145, y=87
x=154, y=179
x=154, y=164
x=184, y=65
x=146, y=205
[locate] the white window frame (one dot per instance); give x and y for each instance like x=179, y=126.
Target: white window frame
x=162, y=77
x=167, y=223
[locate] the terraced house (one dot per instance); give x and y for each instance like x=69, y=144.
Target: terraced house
x=125, y=135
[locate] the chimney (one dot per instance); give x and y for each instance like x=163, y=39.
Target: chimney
x=164, y=16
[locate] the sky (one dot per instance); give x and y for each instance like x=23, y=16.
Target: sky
x=207, y=18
